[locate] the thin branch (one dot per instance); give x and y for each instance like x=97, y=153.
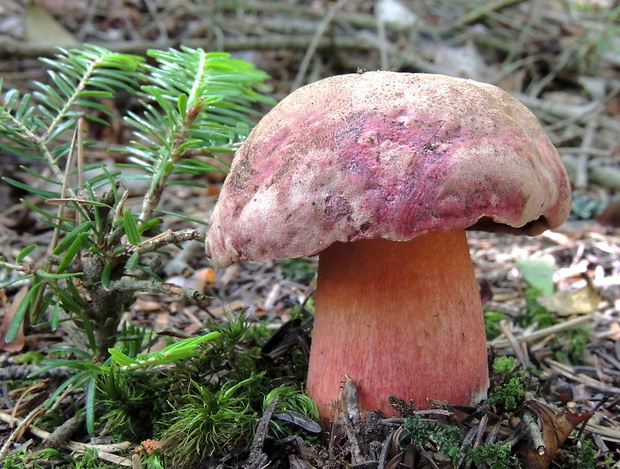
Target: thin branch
x=581, y=179
x=479, y=13
x=164, y=239
x=152, y=286
x=318, y=35
x=103, y=451
x=540, y=333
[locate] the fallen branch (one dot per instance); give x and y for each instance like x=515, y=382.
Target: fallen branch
x=104, y=452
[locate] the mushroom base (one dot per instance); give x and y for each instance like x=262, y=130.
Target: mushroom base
x=400, y=319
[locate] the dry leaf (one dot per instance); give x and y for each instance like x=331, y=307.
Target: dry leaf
x=205, y=278
x=42, y=28
x=555, y=428
x=611, y=215
x=565, y=303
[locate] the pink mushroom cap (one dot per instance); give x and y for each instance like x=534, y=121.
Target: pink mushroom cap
x=386, y=155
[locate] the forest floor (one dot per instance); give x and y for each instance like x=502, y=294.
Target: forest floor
x=559, y=58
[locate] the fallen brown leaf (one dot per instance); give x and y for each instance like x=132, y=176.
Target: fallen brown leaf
x=554, y=427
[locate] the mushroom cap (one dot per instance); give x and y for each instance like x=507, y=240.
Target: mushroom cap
x=389, y=155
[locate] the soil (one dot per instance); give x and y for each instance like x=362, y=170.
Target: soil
x=560, y=58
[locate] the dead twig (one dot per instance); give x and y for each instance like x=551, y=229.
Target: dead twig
x=104, y=452
x=257, y=457
x=314, y=43
x=540, y=333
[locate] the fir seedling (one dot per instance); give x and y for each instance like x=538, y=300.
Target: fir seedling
x=193, y=105
x=190, y=107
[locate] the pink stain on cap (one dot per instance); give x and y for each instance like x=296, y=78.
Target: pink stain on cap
x=386, y=155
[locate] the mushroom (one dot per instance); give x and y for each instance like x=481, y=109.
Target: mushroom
x=381, y=173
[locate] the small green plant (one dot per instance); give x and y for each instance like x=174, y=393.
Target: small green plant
x=580, y=455
x=534, y=312
x=209, y=423
x=290, y=399
x=493, y=456
x=86, y=460
x=298, y=270
x=189, y=107
x=511, y=392
x=491, y=323
x=432, y=436
x=568, y=346
x=207, y=406
x=505, y=365
x=19, y=459
x=217, y=421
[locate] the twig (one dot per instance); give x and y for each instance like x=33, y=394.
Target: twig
x=566, y=325
x=16, y=267
x=569, y=372
x=314, y=43
x=152, y=286
x=350, y=419
x=516, y=346
x=63, y=433
x=103, y=451
x=22, y=426
x=526, y=30
x=383, y=48
x=11, y=49
x=581, y=178
x=164, y=239
x=534, y=429
x=604, y=432
x=385, y=451
x=21, y=372
x=480, y=12
x=429, y=458
x=351, y=394
x=256, y=453
x=356, y=452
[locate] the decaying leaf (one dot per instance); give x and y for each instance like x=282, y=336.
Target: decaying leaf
x=565, y=303
x=554, y=427
x=42, y=27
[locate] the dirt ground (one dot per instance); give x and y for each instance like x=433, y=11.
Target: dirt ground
x=559, y=58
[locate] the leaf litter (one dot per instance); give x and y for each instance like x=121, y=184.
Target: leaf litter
x=561, y=62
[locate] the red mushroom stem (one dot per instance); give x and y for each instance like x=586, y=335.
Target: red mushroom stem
x=401, y=319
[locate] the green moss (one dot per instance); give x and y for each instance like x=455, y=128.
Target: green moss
x=510, y=393
x=491, y=323
x=432, y=436
x=493, y=456
x=298, y=270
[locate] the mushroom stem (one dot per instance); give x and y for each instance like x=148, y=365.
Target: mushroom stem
x=401, y=319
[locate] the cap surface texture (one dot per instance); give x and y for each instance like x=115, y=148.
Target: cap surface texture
x=389, y=155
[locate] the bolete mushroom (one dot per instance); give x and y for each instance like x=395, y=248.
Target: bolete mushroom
x=381, y=173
